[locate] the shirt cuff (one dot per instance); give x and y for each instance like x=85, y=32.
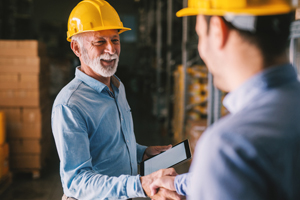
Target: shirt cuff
x=180, y=184
x=134, y=187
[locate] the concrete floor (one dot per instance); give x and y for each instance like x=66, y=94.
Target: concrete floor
x=48, y=186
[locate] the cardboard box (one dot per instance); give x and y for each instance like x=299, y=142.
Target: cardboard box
x=194, y=130
x=29, y=130
x=28, y=122
x=23, y=97
x=26, y=161
x=12, y=115
x=22, y=48
x=25, y=146
x=29, y=64
x=9, y=81
x=32, y=115
x=22, y=130
x=9, y=77
x=24, y=81
x=36, y=115
x=4, y=160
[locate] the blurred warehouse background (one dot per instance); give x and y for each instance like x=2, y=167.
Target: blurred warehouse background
x=168, y=87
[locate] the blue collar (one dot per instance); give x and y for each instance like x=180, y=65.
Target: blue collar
x=95, y=84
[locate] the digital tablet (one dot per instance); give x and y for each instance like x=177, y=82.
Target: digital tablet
x=177, y=154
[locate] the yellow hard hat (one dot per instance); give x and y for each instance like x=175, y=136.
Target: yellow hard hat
x=237, y=7
x=93, y=15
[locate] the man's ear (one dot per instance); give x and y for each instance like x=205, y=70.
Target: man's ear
x=219, y=30
x=75, y=48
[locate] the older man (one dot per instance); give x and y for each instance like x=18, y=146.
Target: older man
x=254, y=152
x=91, y=119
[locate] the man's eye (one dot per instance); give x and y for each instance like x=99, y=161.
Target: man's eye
x=99, y=42
x=115, y=40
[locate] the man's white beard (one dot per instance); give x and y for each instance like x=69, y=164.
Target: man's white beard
x=97, y=67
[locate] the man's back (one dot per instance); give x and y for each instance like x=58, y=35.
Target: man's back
x=254, y=153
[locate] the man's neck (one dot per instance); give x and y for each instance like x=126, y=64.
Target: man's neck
x=245, y=61
x=88, y=71
x=280, y=60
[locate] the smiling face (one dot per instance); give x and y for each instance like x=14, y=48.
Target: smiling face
x=100, y=51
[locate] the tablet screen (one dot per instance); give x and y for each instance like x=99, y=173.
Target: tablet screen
x=169, y=158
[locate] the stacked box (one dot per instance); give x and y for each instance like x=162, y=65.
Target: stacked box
x=4, y=153
x=194, y=130
x=4, y=160
x=24, y=94
x=2, y=128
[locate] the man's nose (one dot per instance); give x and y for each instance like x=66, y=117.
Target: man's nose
x=110, y=48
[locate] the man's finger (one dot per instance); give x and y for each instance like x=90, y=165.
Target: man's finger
x=169, y=172
x=164, y=148
x=166, y=194
x=166, y=182
x=154, y=186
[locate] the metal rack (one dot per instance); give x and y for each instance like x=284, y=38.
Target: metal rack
x=295, y=46
x=167, y=52
x=157, y=26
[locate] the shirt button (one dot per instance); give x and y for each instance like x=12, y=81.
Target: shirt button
x=128, y=141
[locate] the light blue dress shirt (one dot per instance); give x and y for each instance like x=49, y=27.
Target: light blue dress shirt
x=93, y=132
x=254, y=152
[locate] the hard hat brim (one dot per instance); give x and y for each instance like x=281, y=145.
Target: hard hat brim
x=121, y=30
x=255, y=11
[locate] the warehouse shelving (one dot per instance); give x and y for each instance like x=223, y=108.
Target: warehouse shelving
x=163, y=50
x=189, y=58
x=160, y=50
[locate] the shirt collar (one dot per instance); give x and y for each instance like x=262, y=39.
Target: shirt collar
x=93, y=83
x=252, y=88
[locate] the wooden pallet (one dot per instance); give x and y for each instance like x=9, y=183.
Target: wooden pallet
x=5, y=182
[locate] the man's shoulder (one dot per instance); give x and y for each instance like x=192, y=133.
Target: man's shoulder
x=67, y=92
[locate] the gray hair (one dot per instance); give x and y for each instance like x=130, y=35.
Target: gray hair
x=79, y=39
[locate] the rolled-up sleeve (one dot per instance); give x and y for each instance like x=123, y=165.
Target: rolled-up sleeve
x=180, y=184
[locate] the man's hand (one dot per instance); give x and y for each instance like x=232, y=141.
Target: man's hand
x=146, y=181
x=154, y=150
x=164, y=194
x=166, y=182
